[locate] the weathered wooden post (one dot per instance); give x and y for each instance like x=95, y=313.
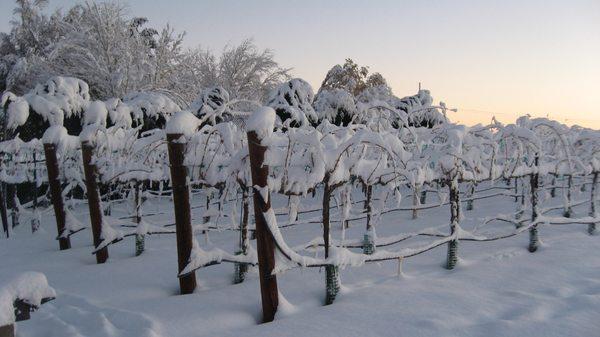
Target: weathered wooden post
x=533, y=231
x=593, y=214
x=7, y=330
x=93, y=196
x=454, y=221
x=56, y=194
x=181, y=201
x=259, y=126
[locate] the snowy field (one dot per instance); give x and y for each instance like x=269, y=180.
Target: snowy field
x=498, y=288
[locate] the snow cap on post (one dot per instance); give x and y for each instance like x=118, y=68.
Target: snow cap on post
x=58, y=136
x=88, y=134
x=262, y=121
x=183, y=123
x=94, y=119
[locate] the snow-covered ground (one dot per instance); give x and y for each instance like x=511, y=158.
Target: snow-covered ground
x=498, y=288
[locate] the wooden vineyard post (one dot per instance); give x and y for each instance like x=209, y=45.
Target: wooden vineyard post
x=56, y=194
x=181, y=203
x=593, y=214
x=332, y=284
x=533, y=231
x=93, y=196
x=454, y=220
x=7, y=330
x=265, y=243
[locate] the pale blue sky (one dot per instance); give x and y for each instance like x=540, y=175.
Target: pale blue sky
x=483, y=57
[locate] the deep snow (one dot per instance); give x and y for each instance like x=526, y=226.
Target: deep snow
x=498, y=288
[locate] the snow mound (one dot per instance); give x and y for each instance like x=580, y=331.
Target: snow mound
x=30, y=287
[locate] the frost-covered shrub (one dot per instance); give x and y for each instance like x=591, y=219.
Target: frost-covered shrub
x=337, y=106
x=59, y=101
x=212, y=105
x=419, y=109
x=119, y=113
x=152, y=110
x=292, y=101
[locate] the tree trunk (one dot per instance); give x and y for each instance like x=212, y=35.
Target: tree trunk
x=3, y=215
x=331, y=272
x=35, y=221
x=140, y=239
x=470, y=195
x=593, y=214
x=568, y=208
x=12, y=205
x=416, y=192
x=533, y=231
x=241, y=268
x=368, y=239
x=452, y=257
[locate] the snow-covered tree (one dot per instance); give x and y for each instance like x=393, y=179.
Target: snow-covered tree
x=249, y=73
x=348, y=94
x=117, y=53
x=350, y=77
x=23, y=49
x=105, y=48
